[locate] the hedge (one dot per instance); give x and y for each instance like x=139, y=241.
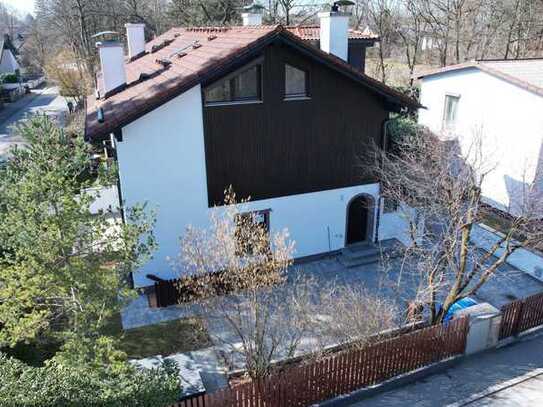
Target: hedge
x=9, y=78
x=55, y=385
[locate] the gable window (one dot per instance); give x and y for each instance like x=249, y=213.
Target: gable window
x=252, y=230
x=296, y=82
x=244, y=86
x=450, y=111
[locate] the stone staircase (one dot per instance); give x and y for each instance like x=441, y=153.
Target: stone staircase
x=367, y=253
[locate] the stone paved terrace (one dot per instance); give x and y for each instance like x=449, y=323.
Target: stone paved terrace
x=508, y=284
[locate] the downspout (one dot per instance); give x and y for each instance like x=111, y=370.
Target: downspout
x=114, y=139
x=384, y=142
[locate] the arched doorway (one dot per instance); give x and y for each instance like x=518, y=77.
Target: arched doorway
x=360, y=219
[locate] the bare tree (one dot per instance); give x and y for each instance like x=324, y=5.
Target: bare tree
x=256, y=312
x=236, y=254
x=37, y=48
x=291, y=12
x=63, y=70
x=411, y=36
x=258, y=328
x=383, y=17
x=437, y=14
x=9, y=20
x=443, y=182
x=354, y=315
x=287, y=6
x=238, y=242
x=208, y=12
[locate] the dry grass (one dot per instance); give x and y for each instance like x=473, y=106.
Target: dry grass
x=397, y=71
x=165, y=338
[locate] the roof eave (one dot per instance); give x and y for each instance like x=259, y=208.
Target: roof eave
x=338, y=64
x=445, y=70
x=245, y=55
x=390, y=95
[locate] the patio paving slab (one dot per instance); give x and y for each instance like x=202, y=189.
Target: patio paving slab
x=506, y=285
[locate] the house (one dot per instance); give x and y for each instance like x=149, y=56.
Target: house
x=8, y=61
x=257, y=107
x=498, y=103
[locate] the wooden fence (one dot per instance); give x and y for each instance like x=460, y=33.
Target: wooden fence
x=188, y=288
x=521, y=315
x=345, y=372
x=166, y=293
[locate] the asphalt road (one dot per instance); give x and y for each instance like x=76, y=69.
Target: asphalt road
x=528, y=392
x=45, y=99
x=507, y=377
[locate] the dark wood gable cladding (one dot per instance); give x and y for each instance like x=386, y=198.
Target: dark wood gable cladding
x=278, y=148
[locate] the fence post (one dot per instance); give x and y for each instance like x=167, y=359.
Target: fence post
x=483, y=327
x=518, y=317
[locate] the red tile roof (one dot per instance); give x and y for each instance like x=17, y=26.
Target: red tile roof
x=312, y=32
x=150, y=84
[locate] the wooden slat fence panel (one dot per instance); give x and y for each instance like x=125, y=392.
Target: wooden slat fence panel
x=521, y=315
x=347, y=371
x=166, y=293
x=532, y=313
x=510, y=319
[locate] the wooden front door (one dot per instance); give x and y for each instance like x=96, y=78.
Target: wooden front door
x=357, y=220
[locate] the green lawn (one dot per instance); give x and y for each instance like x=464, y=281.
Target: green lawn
x=182, y=335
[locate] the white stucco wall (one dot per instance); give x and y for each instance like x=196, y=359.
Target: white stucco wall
x=8, y=63
x=395, y=225
x=106, y=199
x=531, y=262
x=162, y=162
x=506, y=117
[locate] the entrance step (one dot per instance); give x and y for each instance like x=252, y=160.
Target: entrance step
x=367, y=253
x=359, y=254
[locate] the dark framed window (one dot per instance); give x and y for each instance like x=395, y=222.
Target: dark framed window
x=450, y=111
x=390, y=205
x=296, y=82
x=245, y=86
x=247, y=236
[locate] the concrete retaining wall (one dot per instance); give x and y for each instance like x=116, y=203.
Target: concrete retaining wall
x=525, y=260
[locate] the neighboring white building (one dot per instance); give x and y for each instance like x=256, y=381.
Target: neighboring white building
x=500, y=103
x=257, y=107
x=8, y=61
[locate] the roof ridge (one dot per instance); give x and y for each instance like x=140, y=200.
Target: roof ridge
x=493, y=70
x=511, y=60
x=140, y=99
x=512, y=79
x=226, y=28
x=303, y=26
